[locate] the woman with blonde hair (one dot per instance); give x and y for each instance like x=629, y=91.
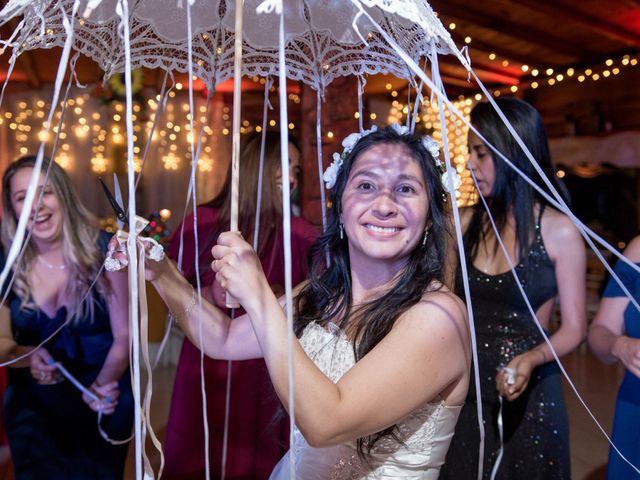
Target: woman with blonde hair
x=257, y=434
x=61, y=297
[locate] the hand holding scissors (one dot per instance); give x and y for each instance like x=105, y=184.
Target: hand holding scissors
x=153, y=249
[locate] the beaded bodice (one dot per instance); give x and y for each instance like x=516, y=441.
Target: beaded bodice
x=424, y=434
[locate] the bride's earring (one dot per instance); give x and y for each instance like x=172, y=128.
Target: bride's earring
x=425, y=237
x=341, y=229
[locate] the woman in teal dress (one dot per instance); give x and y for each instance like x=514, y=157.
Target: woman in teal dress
x=614, y=336
x=52, y=428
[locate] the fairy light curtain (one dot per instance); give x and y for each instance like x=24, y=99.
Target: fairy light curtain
x=92, y=144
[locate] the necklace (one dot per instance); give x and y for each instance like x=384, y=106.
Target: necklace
x=51, y=267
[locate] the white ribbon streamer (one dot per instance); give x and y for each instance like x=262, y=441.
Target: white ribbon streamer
x=539, y=326
x=265, y=114
x=496, y=465
x=361, y=83
x=286, y=231
x=586, y=232
x=65, y=373
x=122, y=10
x=194, y=166
x=439, y=88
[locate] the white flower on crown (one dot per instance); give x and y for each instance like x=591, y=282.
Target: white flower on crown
x=432, y=147
x=451, y=176
x=400, y=129
x=350, y=141
x=330, y=175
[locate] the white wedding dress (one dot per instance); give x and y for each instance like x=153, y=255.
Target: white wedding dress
x=425, y=433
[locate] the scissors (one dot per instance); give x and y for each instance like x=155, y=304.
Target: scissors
x=116, y=202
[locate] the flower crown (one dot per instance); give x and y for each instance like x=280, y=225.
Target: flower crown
x=330, y=175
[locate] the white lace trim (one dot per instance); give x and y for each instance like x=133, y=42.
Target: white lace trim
x=321, y=42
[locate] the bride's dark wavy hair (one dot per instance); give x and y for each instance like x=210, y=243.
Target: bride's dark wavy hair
x=327, y=297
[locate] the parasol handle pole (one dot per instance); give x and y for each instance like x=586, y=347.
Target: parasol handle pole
x=235, y=149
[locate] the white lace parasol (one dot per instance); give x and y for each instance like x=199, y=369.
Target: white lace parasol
x=324, y=38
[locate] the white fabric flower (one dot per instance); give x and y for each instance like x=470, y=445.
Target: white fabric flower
x=351, y=140
x=157, y=251
x=331, y=173
x=453, y=177
x=112, y=264
x=400, y=129
x=432, y=147
x=348, y=144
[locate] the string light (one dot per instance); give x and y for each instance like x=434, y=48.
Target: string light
x=606, y=70
x=63, y=160
x=171, y=161
x=99, y=164
x=205, y=164
x=102, y=126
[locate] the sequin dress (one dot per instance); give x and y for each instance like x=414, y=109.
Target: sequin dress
x=425, y=434
x=536, y=431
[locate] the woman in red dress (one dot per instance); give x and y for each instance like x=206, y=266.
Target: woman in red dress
x=257, y=433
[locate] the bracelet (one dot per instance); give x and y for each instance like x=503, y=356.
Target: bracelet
x=189, y=309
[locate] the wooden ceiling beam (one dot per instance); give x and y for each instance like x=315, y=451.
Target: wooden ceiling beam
x=519, y=31
x=514, y=56
x=485, y=76
x=486, y=66
x=457, y=81
x=561, y=13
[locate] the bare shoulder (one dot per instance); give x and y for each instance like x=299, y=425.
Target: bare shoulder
x=559, y=232
x=632, y=252
x=439, y=311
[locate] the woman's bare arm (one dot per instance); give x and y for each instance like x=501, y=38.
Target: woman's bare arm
x=424, y=355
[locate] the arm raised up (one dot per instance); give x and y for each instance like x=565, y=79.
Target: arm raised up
x=424, y=358
x=222, y=337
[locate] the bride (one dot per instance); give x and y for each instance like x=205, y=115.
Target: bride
x=381, y=364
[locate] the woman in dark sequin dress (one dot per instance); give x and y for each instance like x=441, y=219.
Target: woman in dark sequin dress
x=550, y=258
